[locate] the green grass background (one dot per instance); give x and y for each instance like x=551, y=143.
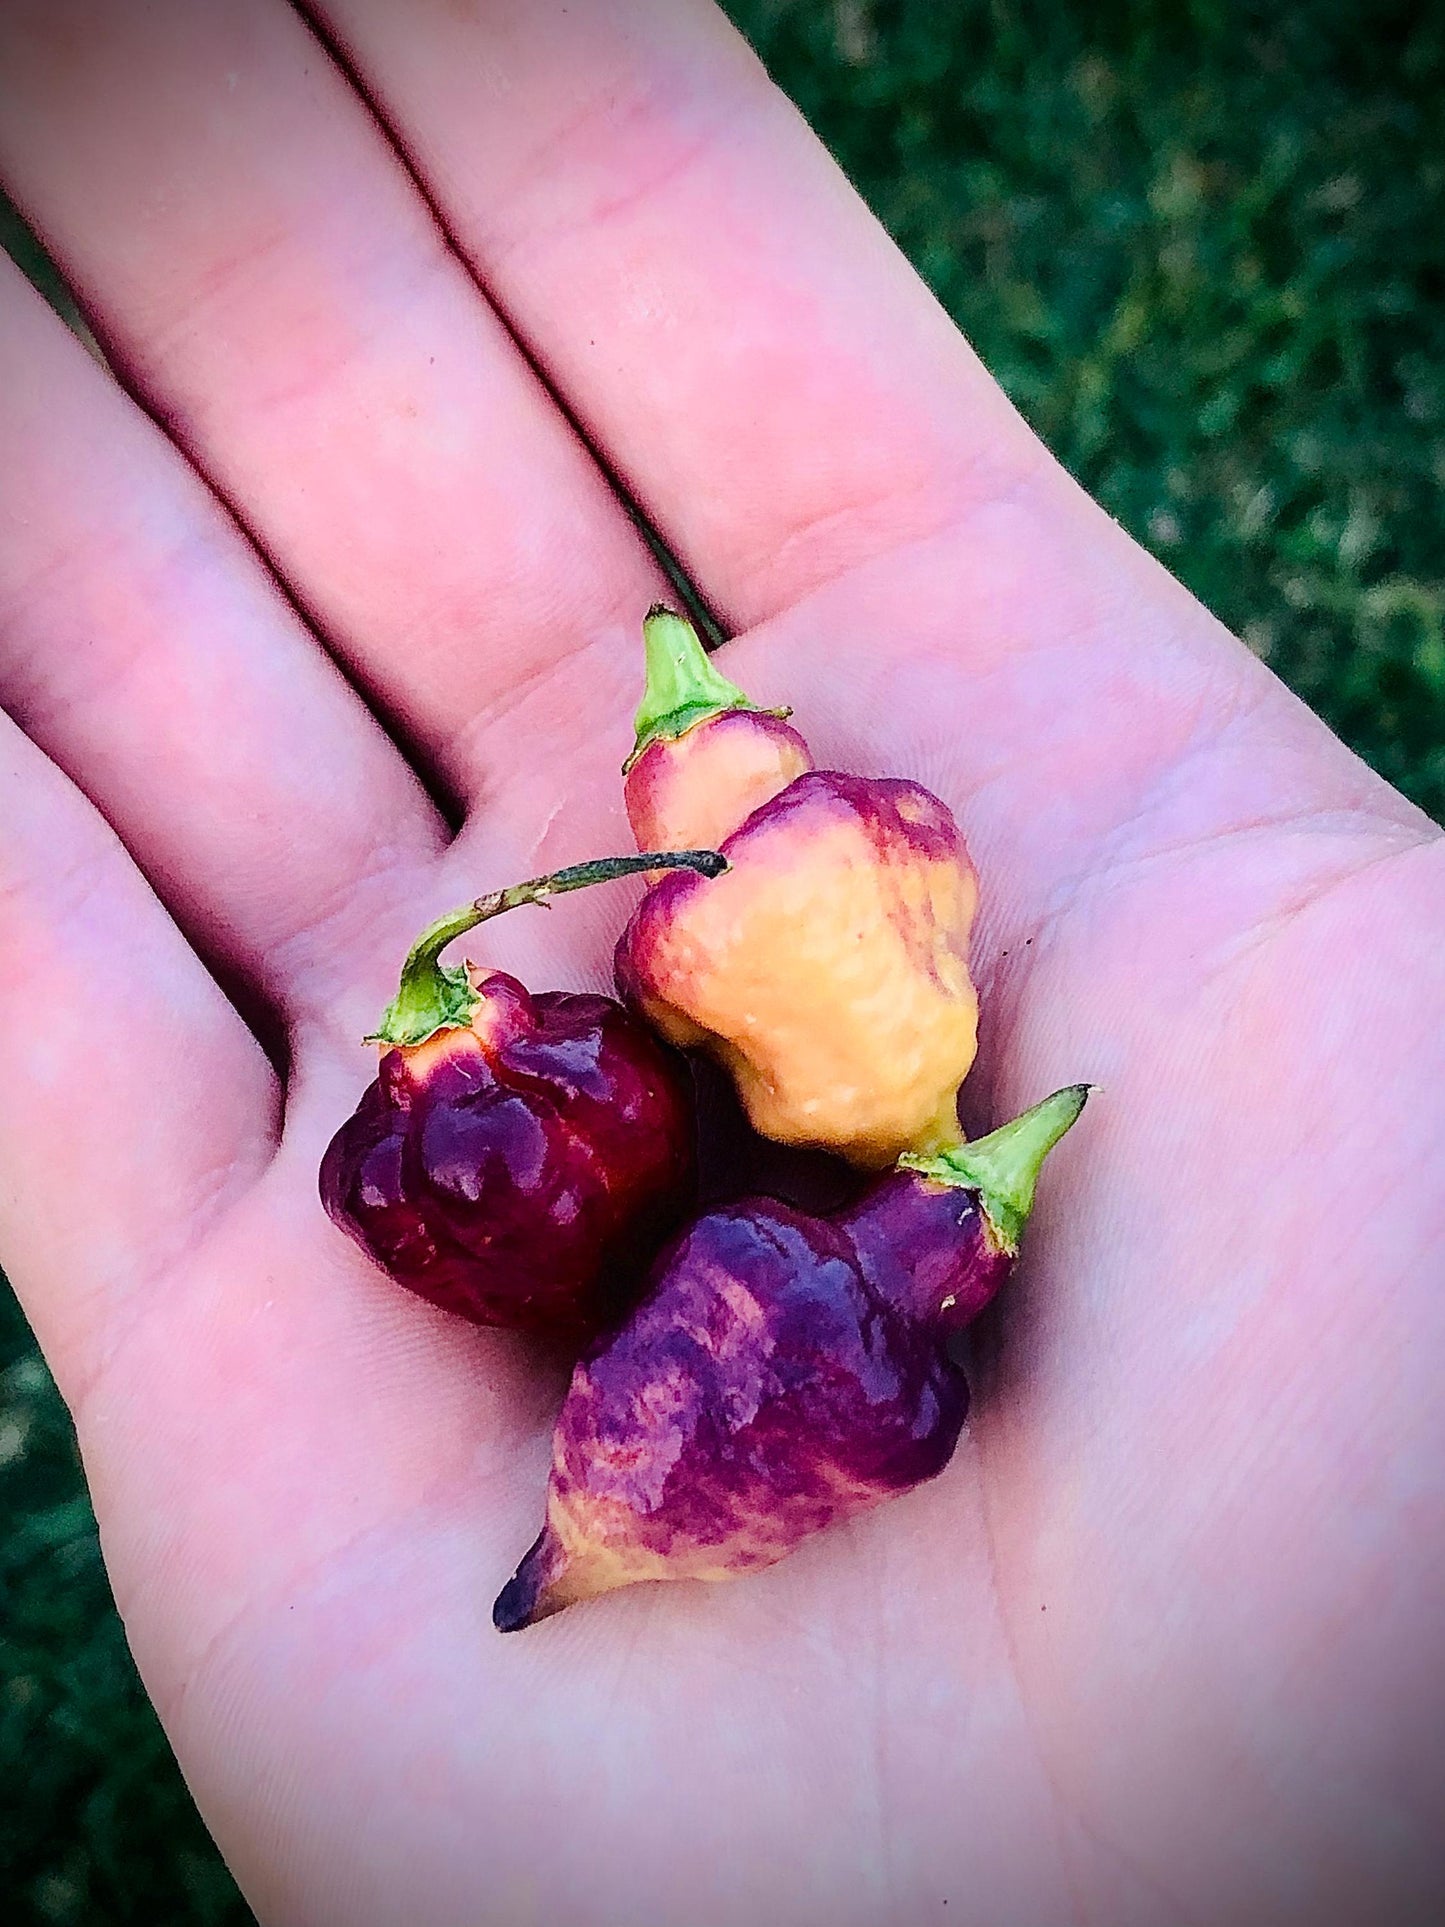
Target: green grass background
x=1202, y=245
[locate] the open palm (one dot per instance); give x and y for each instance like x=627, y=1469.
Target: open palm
x=1164, y=1642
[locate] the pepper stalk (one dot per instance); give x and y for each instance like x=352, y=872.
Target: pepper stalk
x=683, y=687
x=433, y=996
x=1004, y=1166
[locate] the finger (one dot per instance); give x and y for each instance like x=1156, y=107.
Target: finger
x=257, y=258
x=722, y=313
x=135, y=1103
x=251, y=1396
x=147, y=651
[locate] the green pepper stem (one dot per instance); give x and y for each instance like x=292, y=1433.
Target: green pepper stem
x=433, y=996
x=1004, y=1166
x=682, y=687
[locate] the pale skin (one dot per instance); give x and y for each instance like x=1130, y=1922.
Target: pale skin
x=1164, y=1643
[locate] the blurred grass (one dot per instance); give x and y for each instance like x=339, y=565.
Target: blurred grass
x=95, y=1824
x=1201, y=246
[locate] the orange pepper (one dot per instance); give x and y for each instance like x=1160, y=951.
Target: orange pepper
x=828, y=969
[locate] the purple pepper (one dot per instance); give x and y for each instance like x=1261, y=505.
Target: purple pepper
x=517, y=1159
x=783, y=1372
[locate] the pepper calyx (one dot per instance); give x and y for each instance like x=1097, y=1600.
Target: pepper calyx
x=682, y=687
x=1004, y=1166
x=433, y=996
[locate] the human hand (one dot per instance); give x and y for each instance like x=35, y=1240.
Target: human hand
x=1163, y=1642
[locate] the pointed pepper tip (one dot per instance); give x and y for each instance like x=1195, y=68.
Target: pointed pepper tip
x=515, y=1606
x=544, y=1583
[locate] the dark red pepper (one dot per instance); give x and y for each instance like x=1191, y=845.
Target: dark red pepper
x=518, y=1159
x=784, y=1371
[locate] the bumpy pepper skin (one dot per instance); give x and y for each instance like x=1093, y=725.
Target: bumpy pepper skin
x=828, y=970
x=520, y=1170
x=784, y=1372
x=764, y=1390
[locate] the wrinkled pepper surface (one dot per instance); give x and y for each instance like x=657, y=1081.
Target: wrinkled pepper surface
x=518, y=1159
x=828, y=971
x=783, y=1372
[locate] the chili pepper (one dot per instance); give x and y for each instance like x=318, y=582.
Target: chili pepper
x=517, y=1159
x=706, y=757
x=783, y=1372
x=829, y=970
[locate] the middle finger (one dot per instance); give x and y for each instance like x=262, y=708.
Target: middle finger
x=260, y=263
